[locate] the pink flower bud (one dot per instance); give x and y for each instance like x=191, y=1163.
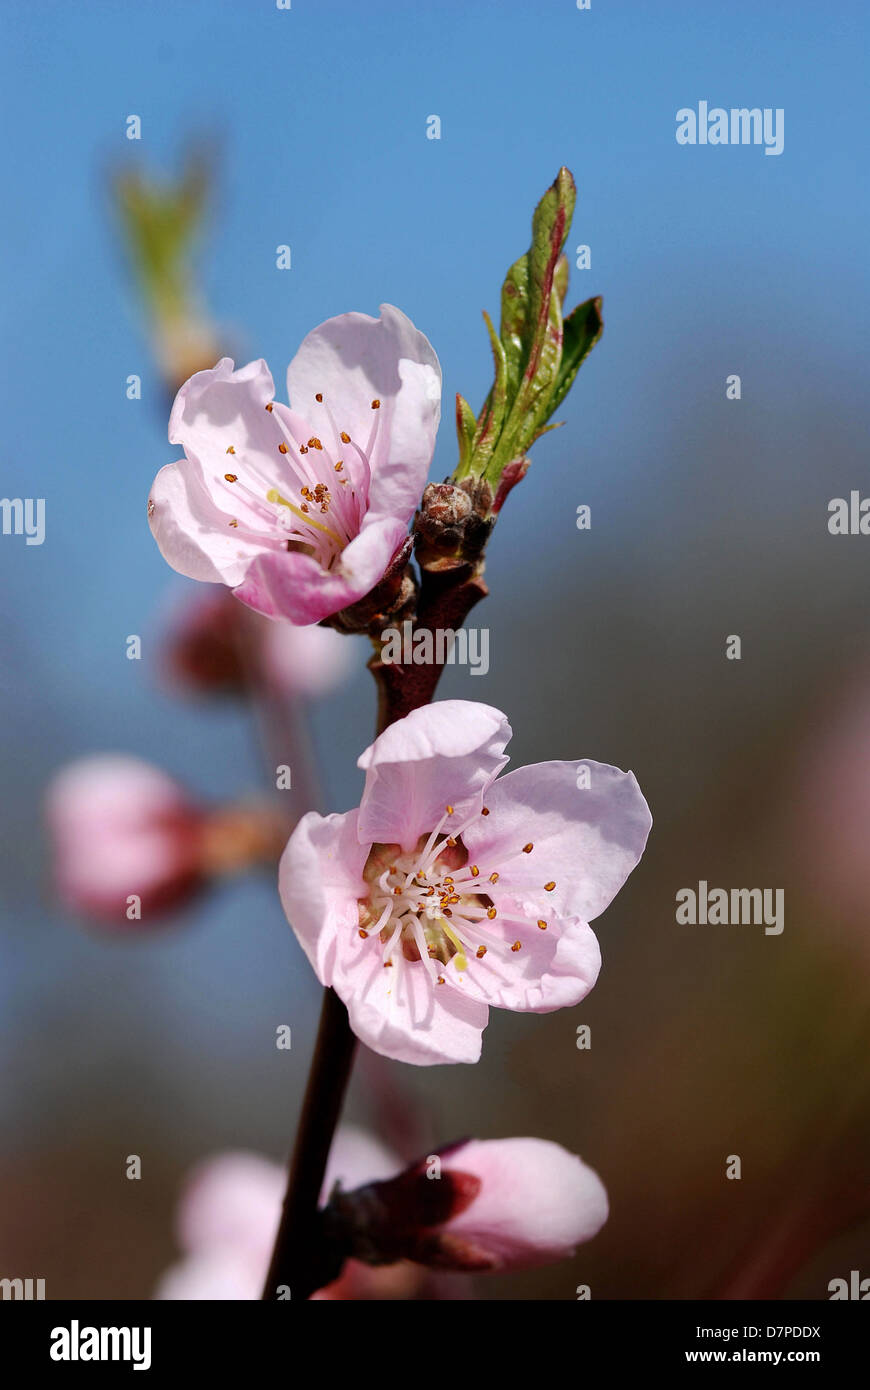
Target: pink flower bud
x=217, y=646
x=123, y=830
x=484, y=1205
x=205, y=644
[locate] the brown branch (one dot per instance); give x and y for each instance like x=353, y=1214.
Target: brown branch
x=446, y=599
x=300, y=1262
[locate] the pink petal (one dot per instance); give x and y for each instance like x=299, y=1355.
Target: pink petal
x=305, y=660
x=214, y=1276
x=221, y=407
x=399, y=1012
x=320, y=881
x=295, y=586
x=586, y=839
x=354, y=359
x=554, y=969
x=439, y=755
x=193, y=534
x=232, y=1199
x=357, y=1157
x=206, y=526
x=536, y=1202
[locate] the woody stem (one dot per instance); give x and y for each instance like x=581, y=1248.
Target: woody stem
x=299, y=1262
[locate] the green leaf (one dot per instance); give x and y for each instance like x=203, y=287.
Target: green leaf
x=536, y=355
x=541, y=326
x=514, y=315
x=550, y=226
x=560, y=278
x=465, y=430
x=492, y=416
x=160, y=222
x=581, y=331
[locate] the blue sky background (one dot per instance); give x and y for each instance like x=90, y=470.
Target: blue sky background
x=708, y=517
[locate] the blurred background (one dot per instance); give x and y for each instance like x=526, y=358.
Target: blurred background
x=709, y=519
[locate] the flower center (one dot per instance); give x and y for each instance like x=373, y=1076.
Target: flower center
x=432, y=906
x=324, y=487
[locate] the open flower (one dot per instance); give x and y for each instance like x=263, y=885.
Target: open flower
x=301, y=510
x=449, y=890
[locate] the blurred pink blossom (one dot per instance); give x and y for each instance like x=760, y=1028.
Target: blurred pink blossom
x=123, y=827
x=216, y=646
x=228, y=1216
x=305, y=660
x=829, y=803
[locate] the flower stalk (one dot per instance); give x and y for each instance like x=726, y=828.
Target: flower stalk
x=301, y=1261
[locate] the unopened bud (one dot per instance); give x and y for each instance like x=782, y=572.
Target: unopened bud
x=497, y=1204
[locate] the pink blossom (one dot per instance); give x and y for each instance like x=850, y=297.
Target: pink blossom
x=121, y=827
x=228, y=1217
x=448, y=891
x=493, y=1204
x=300, y=510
